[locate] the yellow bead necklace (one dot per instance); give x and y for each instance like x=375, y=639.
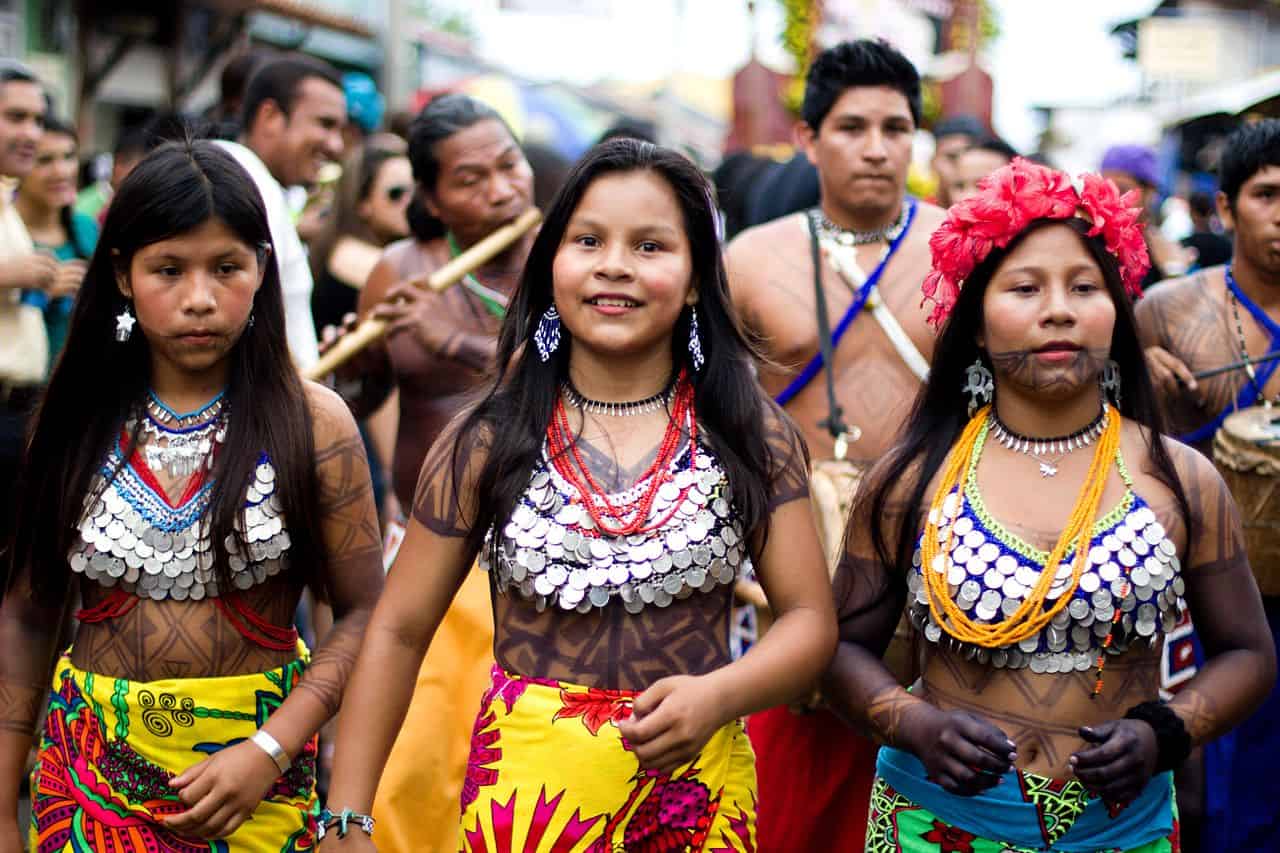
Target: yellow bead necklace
x=1031, y=617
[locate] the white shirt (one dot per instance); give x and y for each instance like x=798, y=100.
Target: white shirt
x=291, y=258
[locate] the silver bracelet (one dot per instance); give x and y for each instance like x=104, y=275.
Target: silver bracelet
x=272, y=748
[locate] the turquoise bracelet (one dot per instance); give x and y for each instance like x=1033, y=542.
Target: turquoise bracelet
x=328, y=819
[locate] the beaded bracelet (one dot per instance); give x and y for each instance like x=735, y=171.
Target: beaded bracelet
x=1173, y=743
x=328, y=819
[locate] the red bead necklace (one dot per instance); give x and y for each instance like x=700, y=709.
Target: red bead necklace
x=561, y=444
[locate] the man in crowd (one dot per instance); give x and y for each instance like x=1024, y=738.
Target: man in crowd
x=861, y=108
x=1216, y=317
x=1133, y=167
x=952, y=136
x=976, y=162
x=294, y=112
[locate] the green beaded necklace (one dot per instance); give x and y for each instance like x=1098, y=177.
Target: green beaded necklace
x=491, y=299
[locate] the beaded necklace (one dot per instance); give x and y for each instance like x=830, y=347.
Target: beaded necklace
x=844, y=237
x=1031, y=616
x=189, y=439
x=565, y=454
x=623, y=409
x=492, y=300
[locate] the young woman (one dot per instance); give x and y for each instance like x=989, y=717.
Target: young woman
x=44, y=200
x=616, y=479
x=186, y=485
x=1043, y=542
x=372, y=197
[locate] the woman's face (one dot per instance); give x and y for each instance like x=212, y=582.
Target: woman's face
x=1048, y=317
x=384, y=208
x=193, y=294
x=52, y=181
x=623, y=271
x=484, y=181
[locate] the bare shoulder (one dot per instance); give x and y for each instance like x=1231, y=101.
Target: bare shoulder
x=1179, y=295
x=331, y=419
x=755, y=251
x=401, y=260
x=928, y=217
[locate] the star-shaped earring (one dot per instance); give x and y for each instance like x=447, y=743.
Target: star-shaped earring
x=124, y=324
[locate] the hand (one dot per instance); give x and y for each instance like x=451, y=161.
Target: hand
x=11, y=837
x=1171, y=376
x=673, y=720
x=1120, y=763
x=411, y=309
x=963, y=753
x=35, y=271
x=363, y=363
x=222, y=791
x=66, y=281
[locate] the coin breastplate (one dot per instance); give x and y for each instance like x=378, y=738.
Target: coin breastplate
x=1131, y=565
x=551, y=552
x=133, y=538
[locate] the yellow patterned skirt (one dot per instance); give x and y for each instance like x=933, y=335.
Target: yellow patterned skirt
x=110, y=746
x=550, y=773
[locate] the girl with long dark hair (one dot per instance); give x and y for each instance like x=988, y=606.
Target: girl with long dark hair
x=621, y=472
x=1044, y=536
x=185, y=484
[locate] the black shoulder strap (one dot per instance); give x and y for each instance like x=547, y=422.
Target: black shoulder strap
x=834, y=422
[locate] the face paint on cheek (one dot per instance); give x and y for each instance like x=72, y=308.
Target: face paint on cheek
x=1030, y=370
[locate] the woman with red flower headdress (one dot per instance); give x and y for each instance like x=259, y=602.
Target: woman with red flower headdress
x=1043, y=535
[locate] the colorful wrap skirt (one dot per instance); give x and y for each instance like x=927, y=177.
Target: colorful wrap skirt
x=110, y=746
x=1024, y=813
x=550, y=773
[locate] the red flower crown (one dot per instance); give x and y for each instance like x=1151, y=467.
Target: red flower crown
x=1010, y=199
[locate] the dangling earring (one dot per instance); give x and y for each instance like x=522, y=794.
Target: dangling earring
x=1109, y=382
x=124, y=324
x=695, y=342
x=547, y=336
x=250, y=324
x=981, y=385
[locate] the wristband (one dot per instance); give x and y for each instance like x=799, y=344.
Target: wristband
x=328, y=819
x=1173, y=743
x=272, y=748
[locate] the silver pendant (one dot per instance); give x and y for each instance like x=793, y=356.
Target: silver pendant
x=1048, y=469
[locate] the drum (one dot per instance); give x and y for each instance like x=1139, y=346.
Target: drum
x=832, y=486
x=1246, y=450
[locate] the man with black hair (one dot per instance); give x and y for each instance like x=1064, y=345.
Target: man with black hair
x=1212, y=249
x=861, y=108
x=976, y=162
x=1216, y=317
x=293, y=114
x=952, y=136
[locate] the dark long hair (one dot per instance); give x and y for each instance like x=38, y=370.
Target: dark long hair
x=98, y=381
x=940, y=411
x=730, y=407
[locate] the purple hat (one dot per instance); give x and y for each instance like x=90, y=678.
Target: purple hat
x=1136, y=160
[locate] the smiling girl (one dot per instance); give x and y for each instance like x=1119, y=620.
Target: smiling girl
x=619, y=475
x=184, y=485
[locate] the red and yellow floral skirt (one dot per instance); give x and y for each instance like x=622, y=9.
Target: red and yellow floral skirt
x=549, y=771
x=110, y=746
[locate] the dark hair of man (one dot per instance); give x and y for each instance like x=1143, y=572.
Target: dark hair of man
x=1201, y=204
x=440, y=119
x=279, y=80
x=15, y=72
x=939, y=414
x=99, y=382
x=857, y=64
x=995, y=145
x=1249, y=150
x=517, y=409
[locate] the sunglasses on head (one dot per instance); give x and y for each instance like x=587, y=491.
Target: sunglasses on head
x=395, y=194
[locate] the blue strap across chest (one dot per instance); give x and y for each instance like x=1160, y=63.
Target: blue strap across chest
x=855, y=308
x=1252, y=390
